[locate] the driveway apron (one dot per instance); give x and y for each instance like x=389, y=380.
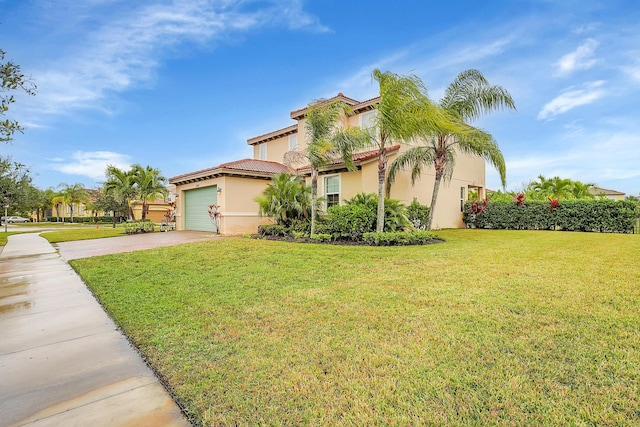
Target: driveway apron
x=63, y=362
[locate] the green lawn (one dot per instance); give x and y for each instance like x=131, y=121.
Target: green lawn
x=491, y=328
x=85, y=233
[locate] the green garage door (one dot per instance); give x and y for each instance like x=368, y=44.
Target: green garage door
x=196, y=208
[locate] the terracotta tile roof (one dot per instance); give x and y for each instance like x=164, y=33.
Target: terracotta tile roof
x=298, y=114
x=357, y=158
x=251, y=168
x=253, y=165
x=366, y=155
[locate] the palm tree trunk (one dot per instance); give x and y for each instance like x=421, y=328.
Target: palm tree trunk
x=434, y=199
x=382, y=171
x=314, y=199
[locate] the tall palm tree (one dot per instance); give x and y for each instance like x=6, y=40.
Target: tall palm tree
x=403, y=110
x=467, y=98
x=150, y=184
x=120, y=184
x=73, y=195
x=327, y=141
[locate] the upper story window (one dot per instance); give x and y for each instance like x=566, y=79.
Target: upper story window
x=262, y=151
x=367, y=120
x=293, y=142
x=332, y=190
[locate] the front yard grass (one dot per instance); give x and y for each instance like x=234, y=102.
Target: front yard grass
x=85, y=233
x=501, y=328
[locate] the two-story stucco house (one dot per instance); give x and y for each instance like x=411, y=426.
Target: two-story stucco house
x=232, y=187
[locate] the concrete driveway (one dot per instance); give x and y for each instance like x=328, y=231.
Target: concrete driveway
x=137, y=242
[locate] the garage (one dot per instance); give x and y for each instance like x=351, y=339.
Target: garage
x=196, y=208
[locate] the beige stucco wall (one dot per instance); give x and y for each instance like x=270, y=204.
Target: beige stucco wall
x=275, y=149
x=468, y=174
x=239, y=212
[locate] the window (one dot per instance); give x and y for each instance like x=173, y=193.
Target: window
x=293, y=142
x=332, y=190
x=367, y=120
x=463, y=190
x=262, y=148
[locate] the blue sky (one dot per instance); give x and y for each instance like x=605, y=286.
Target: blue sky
x=181, y=85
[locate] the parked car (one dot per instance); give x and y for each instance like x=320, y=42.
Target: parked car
x=12, y=219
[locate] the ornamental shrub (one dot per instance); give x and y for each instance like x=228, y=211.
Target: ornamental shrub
x=418, y=215
x=350, y=221
x=272, y=230
x=400, y=238
x=605, y=216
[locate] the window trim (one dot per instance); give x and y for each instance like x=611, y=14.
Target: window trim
x=326, y=194
x=262, y=147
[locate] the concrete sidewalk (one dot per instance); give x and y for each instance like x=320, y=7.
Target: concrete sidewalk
x=62, y=360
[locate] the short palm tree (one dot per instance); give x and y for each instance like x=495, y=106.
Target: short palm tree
x=149, y=184
x=326, y=142
x=120, y=185
x=467, y=98
x=286, y=198
x=73, y=195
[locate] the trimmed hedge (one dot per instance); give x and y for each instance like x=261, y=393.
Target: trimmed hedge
x=135, y=227
x=605, y=216
x=400, y=238
x=84, y=219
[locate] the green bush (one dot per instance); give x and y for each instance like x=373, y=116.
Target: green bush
x=301, y=226
x=321, y=238
x=350, y=221
x=272, y=230
x=134, y=227
x=418, y=215
x=400, y=238
x=359, y=215
x=605, y=216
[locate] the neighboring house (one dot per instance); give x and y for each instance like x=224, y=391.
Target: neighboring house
x=62, y=210
x=609, y=194
x=233, y=186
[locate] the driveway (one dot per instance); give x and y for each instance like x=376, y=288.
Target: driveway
x=136, y=242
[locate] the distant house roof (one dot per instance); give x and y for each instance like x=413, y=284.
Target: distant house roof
x=250, y=168
x=596, y=191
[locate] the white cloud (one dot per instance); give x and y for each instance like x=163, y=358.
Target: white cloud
x=571, y=99
x=125, y=50
x=580, y=59
x=91, y=164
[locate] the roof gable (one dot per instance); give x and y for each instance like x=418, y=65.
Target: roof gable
x=250, y=168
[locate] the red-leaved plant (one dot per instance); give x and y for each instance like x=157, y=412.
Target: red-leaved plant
x=213, y=211
x=554, y=203
x=518, y=199
x=478, y=206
